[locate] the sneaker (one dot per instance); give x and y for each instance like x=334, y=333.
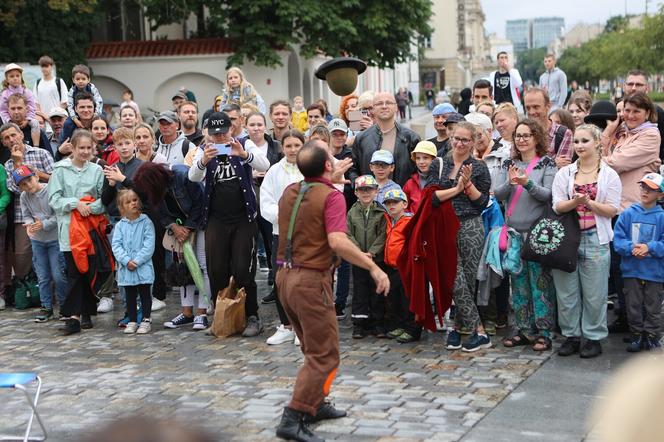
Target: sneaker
x=254, y=327
x=296, y=341
x=131, y=328
x=570, y=347
x=105, y=305
x=591, y=349
x=269, y=299
x=652, y=343
x=341, y=311
x=71, y=326
x=281, y=336
x=490, y=328
x=359, y=332
x=395, y=333
x=145, y=327
x=476, y=342
x=453, y=340
x=407, y=338
x=158, y=304
x=44, y=315
x=200, y=322
x=637, y=343
x=179, y=321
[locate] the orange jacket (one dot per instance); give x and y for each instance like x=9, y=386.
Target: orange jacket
x=395, y=238
x=82, y=245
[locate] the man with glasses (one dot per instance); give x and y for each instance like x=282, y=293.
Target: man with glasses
x=385, y=134
x=637, y=81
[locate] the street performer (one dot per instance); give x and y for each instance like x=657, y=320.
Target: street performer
x=312, y=230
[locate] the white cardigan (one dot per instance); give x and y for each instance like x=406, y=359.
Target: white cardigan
x=609, y=190
x=277, y=178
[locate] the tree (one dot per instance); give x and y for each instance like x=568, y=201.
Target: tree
x=378, y=32
x=59, y=28
x=531, y=64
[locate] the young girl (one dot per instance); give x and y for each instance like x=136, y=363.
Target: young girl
x=14, y=84
x=240, y=91
x=133, y=246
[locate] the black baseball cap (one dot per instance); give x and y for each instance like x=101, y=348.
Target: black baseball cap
x=218, y=123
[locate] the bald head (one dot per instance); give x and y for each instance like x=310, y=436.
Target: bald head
x=384, y=107
x=311, y=159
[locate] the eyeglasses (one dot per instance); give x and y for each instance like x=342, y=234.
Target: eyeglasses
x=462, y=140
x=384, y=103
x=524, y=137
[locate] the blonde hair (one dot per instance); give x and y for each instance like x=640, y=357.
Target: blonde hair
x=247, y=90
x=366, y=97
x=123, y=133
x=123, y=196
x=596, y=133
x=145, y=126
x=507, y=108
x=470, y=127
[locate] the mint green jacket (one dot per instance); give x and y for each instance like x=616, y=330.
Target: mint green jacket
x=66, y=187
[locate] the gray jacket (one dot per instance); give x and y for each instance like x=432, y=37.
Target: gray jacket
x=369, y=140
x=35, y=207
x=535, y=197
x=555, y=83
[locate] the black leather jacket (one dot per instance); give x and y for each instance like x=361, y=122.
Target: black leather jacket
x=368, y=141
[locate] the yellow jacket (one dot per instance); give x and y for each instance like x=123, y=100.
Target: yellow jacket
x=299, y=120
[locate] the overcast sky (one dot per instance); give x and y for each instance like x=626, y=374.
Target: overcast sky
x=573, y=11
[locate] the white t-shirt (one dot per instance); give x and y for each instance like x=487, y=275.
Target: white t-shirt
x=47, y=94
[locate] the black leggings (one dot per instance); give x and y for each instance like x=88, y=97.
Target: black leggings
x=132, y=292
x=80, y=299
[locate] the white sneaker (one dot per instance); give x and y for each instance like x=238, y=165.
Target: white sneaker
x=158, y=304
x=296, y=341
x=145, y=327
x=281, y=336
x=2, y=304
x=130, y=328
x=200, y=322
x=105, y=305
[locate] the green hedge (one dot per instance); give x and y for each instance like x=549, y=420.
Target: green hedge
x=654, y=96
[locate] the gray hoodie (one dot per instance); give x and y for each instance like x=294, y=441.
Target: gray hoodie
x=555, y=83
x=35, y=207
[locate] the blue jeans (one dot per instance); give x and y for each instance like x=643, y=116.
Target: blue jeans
x=49, y=265
x=582, y=293
x=343, y=283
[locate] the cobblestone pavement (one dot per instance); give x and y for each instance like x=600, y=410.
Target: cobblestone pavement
x=237, y=387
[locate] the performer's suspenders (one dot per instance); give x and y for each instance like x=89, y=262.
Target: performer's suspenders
x=304, y=188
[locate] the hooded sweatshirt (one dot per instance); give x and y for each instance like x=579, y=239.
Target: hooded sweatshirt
x=68, y=184
x=173, y=151
x=637, y=225
x=133, y=240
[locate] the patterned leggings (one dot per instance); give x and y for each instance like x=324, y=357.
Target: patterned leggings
x=469, y=249
x=533, y=300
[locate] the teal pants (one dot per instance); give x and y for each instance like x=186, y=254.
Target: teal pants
x=533, y=300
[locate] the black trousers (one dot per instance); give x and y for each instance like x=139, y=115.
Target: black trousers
x=399, y=303
x=158, y=258
x=230, y=250
x=80, y=299
x=132, y=292
x=265, y=231
x=368, y=307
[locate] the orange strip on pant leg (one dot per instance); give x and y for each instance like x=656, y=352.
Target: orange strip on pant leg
x=328, y=382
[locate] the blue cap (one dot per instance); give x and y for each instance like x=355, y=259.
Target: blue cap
x=395, y=195
x=382, y=156
x=443, y=108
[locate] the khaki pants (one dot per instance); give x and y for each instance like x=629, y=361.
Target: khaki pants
x=22, y=251
x=307, y=298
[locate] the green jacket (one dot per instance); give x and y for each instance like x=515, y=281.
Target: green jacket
x=5, y=194
x=366, y=228
x=66, y=187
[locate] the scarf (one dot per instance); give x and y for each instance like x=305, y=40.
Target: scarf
x=645, y=126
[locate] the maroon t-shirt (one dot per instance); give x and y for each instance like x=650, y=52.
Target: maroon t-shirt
x=335, y=208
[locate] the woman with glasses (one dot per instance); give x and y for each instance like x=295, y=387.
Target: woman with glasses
x=525, y=186
x=466, y=181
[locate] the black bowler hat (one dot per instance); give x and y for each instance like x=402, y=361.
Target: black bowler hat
x=600, y=112
x=341, y=74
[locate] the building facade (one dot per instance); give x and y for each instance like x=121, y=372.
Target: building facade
x=534, y=33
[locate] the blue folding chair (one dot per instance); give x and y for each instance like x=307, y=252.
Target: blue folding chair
x=19, y=382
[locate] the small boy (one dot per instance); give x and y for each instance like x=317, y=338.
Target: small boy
x=299, y=115
x=128, y=100
x=366, y=229
x=80, y=76
x=382, y=166
x=423, y=155
x=639, y=239
x=405, y=329
x=42, y=227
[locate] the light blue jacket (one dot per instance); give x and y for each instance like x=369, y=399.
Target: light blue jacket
x=134, y=241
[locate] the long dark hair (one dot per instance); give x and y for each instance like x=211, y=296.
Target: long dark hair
x=152, y=180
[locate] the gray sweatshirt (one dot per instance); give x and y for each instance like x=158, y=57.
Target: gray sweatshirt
x=35, y=207
x=555, y=83
x=535, y=196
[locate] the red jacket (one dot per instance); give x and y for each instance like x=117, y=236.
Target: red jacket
x=413, y=192
x=84, y=248
x=395, y=239
x=430, y=257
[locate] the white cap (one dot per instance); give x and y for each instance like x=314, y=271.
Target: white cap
x=57, y=112
x=480, y=120
x=12, y=66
